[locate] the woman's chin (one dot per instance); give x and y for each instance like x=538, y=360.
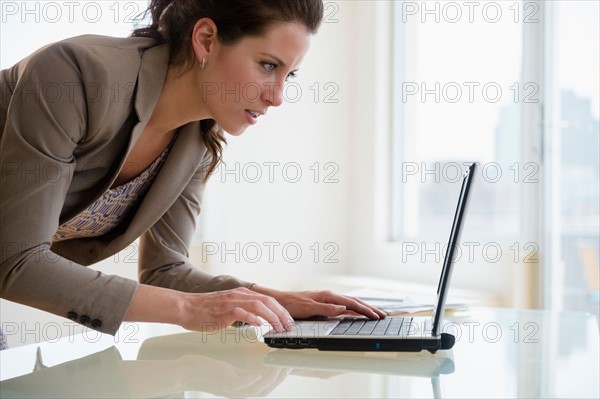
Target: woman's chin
x=236, y=131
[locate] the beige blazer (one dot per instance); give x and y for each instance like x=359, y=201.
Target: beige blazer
x=69, y=115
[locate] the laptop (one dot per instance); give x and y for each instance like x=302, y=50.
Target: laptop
x=392, y=334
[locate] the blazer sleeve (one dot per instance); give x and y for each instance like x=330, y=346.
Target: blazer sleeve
x=47, y=117
x=163, y=258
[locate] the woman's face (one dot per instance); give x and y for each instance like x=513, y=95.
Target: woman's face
x=240, y=82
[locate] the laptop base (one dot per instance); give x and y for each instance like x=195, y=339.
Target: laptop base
x=446, y=341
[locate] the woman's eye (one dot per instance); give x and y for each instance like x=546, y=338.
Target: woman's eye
x=291, y=75
x=268, y=66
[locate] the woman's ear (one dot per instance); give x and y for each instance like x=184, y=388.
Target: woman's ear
x=204, y=38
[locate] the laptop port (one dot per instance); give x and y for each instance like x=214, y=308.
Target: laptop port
x=304, y=341
x=291, y=342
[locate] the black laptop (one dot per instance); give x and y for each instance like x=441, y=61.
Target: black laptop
x=397, y=334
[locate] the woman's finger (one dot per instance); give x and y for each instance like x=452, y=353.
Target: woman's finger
x=381, y=313
x=240, y=314
x=284, y=316
x=266, y=307
x=326, y=309
x=353, y=304
x=257, y=307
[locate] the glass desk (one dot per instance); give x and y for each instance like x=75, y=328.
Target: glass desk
x=498, y=353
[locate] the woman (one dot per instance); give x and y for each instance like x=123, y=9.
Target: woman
x=105, y=140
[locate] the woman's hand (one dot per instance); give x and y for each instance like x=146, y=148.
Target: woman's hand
x=207, y=311
x=304, y=304
x=220, y=309
x=217, y=310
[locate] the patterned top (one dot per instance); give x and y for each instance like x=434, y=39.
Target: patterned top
x=3, y=342
x=111, y=209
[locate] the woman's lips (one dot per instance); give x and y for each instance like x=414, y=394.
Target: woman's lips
x=252, y=116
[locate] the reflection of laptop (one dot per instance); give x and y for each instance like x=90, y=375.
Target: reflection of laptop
x=328, y=364
x=412, y=364
x=402, y=334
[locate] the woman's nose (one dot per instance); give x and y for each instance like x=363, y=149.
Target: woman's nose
x=273, y=93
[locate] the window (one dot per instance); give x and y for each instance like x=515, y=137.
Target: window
x=459, y=92
x=513, y=86
x=573, y=136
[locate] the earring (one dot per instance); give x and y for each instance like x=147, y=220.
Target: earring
x=203, y=63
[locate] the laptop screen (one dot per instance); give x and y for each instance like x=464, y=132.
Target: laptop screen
x=444, y=283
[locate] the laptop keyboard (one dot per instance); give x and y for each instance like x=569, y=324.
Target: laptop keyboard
x=394, y=326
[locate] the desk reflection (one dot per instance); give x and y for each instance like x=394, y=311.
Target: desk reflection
x=218, y=364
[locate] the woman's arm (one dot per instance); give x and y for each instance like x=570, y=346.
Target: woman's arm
x=164, y=248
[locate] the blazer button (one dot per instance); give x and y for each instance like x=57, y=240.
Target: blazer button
x=96, y=323
x=84, y=319
x=72, y=315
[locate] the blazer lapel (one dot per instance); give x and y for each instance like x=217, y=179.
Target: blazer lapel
x=151, y=78
x=184, y=158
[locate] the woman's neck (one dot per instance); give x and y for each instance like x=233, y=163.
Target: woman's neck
x=179, y=102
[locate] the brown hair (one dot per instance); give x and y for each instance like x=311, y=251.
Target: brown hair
x=173, y=22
